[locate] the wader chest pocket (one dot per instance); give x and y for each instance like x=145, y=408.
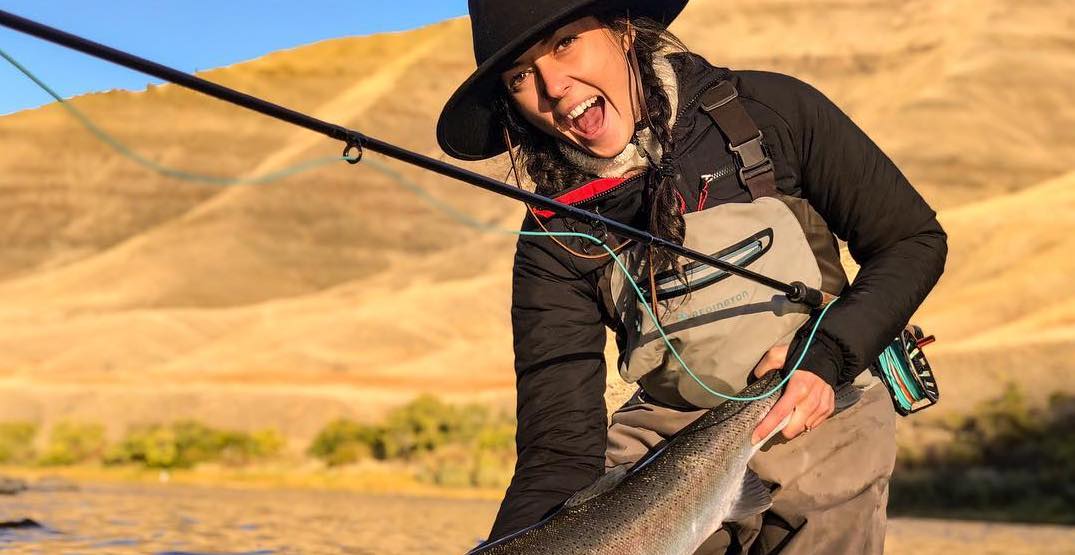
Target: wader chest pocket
x=720, y=324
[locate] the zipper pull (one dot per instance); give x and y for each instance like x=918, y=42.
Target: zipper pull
x=600, y=230
x=709, y=178
x=703, y=195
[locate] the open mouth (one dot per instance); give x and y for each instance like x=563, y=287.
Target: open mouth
x=588, y=118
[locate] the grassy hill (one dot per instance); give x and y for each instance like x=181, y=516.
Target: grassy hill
x=130, y=297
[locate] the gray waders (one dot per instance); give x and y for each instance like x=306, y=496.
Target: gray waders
x=830, y=486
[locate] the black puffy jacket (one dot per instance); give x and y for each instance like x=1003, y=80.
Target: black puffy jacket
x=819, y=154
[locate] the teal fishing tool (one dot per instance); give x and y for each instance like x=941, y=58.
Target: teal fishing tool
x=904, y=370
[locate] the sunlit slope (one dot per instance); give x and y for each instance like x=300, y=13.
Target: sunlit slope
x=126, y=296
x=230, y=246
x=354, y=350
x=970, y=97
x=1005, y=309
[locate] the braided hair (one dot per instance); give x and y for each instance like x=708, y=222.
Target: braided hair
x=552, y=173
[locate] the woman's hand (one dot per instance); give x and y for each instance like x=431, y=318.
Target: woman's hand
x=807, y=398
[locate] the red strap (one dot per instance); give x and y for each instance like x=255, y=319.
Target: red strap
x=583, y=193
x=703, y=196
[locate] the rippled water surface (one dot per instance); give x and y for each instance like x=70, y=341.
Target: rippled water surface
x=186, y=519
x=175, y=519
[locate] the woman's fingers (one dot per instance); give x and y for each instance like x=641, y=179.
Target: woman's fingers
x=773, y=359
x=809, y=401
x=776, y=415
x=801, y=416
x=824, y=409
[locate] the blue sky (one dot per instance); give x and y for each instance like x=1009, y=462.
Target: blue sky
x=187, y=35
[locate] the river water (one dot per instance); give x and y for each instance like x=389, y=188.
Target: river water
x=182, y=519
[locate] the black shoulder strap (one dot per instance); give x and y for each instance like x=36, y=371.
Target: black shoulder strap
x=722, y=104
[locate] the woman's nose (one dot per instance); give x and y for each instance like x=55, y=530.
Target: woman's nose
x=554, y=79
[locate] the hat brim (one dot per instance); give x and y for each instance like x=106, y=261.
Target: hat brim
x=467, y=128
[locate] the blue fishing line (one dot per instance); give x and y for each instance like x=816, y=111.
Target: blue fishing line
x=471, y=222
x=121, y=148
x=461, y=217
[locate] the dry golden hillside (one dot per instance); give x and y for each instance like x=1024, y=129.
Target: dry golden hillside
x=126, y=296
x=971, y=97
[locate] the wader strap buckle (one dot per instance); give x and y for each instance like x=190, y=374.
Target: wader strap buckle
x=753, y=159
x=756, y=170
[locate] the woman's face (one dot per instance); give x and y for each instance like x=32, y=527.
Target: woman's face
x=574, y=86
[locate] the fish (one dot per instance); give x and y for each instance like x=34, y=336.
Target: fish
x=669, y=502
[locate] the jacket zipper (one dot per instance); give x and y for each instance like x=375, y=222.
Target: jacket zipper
x=606, y=193
x=689, y=105
x=709, y=178
x=694, y=99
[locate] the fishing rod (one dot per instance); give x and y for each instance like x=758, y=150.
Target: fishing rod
x=356, y=143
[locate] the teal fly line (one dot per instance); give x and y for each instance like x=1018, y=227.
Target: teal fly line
x=121, y=148
x=401, y=179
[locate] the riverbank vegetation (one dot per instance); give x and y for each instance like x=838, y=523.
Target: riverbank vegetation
x=449, y=445
x=437, y=443
x=1006, y=461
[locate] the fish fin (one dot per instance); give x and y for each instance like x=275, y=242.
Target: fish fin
x=610, y=480
x=754, y=498
x=783, y=424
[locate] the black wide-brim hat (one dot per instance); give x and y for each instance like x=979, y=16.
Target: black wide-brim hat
x=503, y=29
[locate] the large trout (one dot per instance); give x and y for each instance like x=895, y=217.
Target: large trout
x=670, y=501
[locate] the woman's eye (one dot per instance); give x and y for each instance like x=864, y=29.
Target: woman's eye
x=566, y=41
x=517, y=79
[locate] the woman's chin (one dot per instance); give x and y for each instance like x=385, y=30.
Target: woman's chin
x=609, y=150
x=606, y=146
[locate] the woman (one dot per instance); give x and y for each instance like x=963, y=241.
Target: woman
x=606, y=110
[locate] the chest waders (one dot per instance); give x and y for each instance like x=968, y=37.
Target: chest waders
x=772, y=217
x=721, y=326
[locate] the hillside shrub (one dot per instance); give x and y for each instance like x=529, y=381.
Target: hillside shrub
x=72, y=443
x=17, y=442
x=1005, y=461
x=186, y=443
x=450, y=445
x=344, y=442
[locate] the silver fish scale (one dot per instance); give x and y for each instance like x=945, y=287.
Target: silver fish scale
x=667, y=506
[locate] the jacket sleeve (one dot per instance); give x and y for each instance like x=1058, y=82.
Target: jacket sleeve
x=559, y=341
x=891, y=232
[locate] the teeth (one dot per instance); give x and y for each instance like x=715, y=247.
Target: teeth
x=582, y=107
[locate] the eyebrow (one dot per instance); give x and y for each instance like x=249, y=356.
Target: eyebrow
x=543, y=39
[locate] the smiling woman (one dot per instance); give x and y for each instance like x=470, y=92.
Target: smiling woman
x=598, y=105
x=574, y=85
x=595, y=99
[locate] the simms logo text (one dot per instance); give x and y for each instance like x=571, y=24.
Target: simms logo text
x=720, y=305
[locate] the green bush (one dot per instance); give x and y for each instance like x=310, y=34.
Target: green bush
x=186, y=443
x=17, y=442
x=266, y=444
x=344, y=442
x=1006, y=460
x=450, y=445
x=71, y=443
